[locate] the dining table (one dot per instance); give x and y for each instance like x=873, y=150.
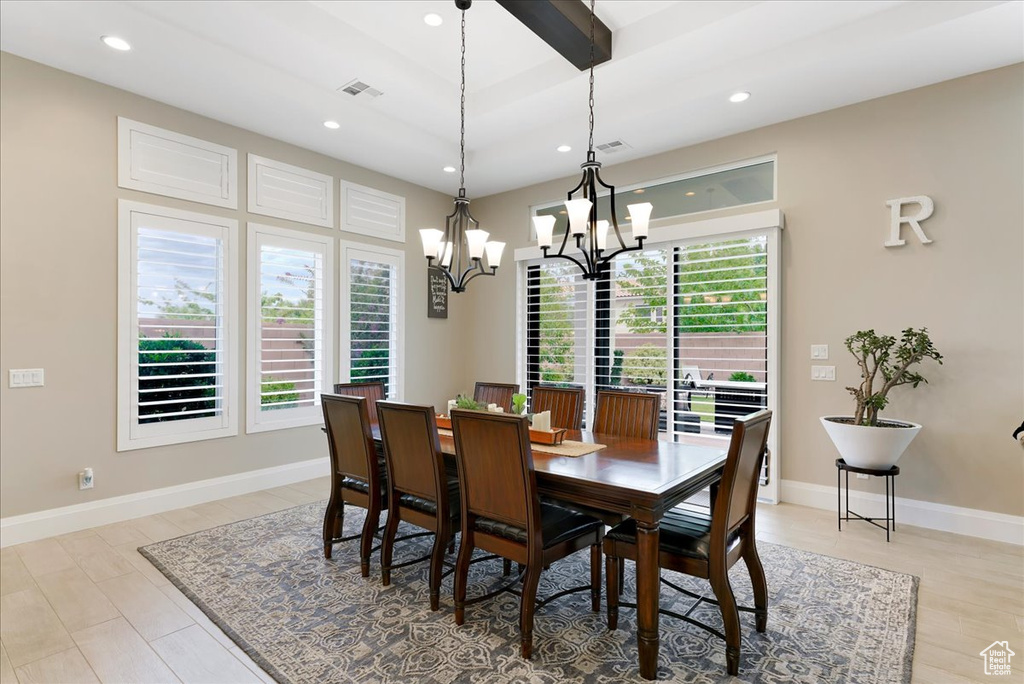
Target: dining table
x=637, y=477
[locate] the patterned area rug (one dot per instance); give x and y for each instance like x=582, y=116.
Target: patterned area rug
x=265, y=582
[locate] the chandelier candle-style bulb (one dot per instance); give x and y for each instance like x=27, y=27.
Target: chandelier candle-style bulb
x=579, y=215
x=431, y=238
x=602, y=234
x=494, y=250
x=545, y=227
x=477, y=239
x=640, y=215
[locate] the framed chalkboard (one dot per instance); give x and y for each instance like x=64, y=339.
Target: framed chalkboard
x=437, y=294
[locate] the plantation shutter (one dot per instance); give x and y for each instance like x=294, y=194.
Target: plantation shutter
x=372, y=300
x=556, y=325
x=180, y=369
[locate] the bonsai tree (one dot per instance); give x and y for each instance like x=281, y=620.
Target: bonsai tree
x=884, y=364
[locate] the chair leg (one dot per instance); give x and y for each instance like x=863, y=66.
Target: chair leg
x=622, y=575
x=612, y=569
x=436, y=566
x=527, y=606
x=506, y=567
x=595, y=577
x=366, y=542
x=334, y=518
x=462, y=577
x=757, y=580
x=387, y=546
x=730, y=616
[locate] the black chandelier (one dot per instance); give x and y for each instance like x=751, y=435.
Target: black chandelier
x=591, y=234
x=459, y=249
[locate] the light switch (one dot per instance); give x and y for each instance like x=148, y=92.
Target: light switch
x=25, y=377
x=826, y=373
x=819, y=351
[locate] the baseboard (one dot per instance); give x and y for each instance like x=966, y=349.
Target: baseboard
x=969, y=521
x=19, y=529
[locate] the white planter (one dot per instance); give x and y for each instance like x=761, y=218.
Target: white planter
x=870, y=447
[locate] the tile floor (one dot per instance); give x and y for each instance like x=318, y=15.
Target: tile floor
x=86, y=607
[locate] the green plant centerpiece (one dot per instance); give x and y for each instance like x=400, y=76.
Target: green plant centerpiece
x=469, y=403
x=885, y=362
x=518, y=404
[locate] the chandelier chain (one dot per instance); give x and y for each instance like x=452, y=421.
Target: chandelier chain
x=462, y=111
x=591, y=144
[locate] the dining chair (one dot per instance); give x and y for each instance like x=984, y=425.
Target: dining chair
x=627, y=414
x=495, y=393
x=419, y=490
x=706, y=546
x=357, y=476
x=565, y=404
x=373, y=391
x=502, y=513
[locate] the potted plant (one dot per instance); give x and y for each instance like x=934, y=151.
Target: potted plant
x=864, y=440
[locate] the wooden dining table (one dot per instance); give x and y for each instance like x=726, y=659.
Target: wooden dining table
x=640, y=478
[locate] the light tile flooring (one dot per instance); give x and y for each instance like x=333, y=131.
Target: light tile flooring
x=86, y=607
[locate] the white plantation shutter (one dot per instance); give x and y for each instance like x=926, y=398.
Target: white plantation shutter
x=556, y=343
x=372, y=316
x=290, y=277
x=177, y=377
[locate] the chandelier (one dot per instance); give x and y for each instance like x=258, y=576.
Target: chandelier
x=459, y=249
x=589, y=233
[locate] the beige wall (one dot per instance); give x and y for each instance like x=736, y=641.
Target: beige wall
x=58, y=293
x=959, y=142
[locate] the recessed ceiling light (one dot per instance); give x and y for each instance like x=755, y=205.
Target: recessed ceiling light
x=638, y=191
x=690, y=194
x=449, y=169
x=116, y=43
x=333, y=125
x=741, y=96
x=432, y=19
x=564, y=148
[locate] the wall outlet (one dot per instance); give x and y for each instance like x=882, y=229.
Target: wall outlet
x=819, y=351
x=823, y=373
x=85, y=479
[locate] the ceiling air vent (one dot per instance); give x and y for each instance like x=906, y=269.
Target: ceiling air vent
x=357, y=87
x=612, y=147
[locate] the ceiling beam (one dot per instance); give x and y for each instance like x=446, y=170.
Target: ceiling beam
x=565, y=26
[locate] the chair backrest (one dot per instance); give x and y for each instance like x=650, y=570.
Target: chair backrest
x=495, y=393
x=496, y=476
x=350, y=438
x=565, y=404
x=373, y=391
x=412, y=450
x=627, y=414
x=737, y=492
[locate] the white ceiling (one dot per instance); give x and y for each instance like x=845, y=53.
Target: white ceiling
x=275, y=67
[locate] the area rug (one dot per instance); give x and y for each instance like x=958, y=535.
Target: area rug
x=265, y=582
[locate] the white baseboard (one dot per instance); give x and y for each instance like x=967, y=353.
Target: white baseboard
x=19, y=529
x=969, y=521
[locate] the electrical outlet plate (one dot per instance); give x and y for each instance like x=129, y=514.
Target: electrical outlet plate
x=25, y=377
x=819, y=351
x=827, y=373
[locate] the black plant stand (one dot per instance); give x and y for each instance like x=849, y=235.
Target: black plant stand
x=890, y=495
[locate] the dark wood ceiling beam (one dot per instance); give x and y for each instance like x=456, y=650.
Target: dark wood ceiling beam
x=565, y=26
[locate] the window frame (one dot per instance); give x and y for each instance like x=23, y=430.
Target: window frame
x=395, y=257
x=131, y=435
x=258, y=235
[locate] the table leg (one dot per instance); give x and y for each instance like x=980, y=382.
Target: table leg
x=839, y=498
x=647, y=589
x=893, y=478
x=886, y=509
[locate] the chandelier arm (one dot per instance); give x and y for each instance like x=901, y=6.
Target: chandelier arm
x=482, y=272
x=445, y=271
x=559, y=255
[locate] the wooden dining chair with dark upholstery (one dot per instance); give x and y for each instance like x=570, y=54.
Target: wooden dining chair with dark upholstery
x=495, y=393
x=565, y=404
x=419, y=490
x=502, y=513
x=627, y=414
x=373, y=391
x=705, y=545
x=357, y=476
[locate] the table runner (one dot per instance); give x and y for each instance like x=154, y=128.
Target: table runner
x=568, y=447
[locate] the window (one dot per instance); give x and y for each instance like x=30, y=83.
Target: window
x=290, y=282
x=693, y=319
x=177, y=324
x=372, y=306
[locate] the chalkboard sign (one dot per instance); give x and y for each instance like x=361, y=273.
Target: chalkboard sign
x=437, y=294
